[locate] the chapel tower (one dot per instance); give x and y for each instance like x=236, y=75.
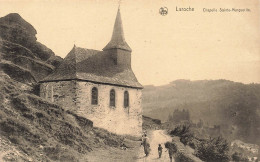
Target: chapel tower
x=99, y=85
x=117, y=48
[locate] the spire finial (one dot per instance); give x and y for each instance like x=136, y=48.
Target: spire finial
x=119, y=3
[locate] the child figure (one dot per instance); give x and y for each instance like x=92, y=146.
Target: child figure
x=160, y=150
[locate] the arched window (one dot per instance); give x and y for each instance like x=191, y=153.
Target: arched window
x=112, y=98
x=94, y=96
x=126, y=99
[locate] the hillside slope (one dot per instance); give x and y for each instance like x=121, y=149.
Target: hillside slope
x=42, y=130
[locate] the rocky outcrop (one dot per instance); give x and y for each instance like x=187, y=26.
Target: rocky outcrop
x=20, y=74
x=19, y=46
x=15, y=29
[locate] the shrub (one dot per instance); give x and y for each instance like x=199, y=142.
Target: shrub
x=171, y=146
x=210, y=150
x=183, y=131
x=239, y=157
x=19, y=103
x=213, y=149
x=180, y=154
x=36, y=89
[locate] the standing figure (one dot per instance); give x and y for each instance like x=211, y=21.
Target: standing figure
x=171, y=149
x=146, y=145
x=160, y=150
x=170, y=153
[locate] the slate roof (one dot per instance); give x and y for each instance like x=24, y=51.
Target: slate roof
x=97, y=66
x=94, y=66
x=118, y=38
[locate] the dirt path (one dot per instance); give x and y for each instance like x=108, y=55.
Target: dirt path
x=155, y=137
x=133, y=154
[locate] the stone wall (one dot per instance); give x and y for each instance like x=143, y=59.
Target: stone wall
x=62, y=93
x=118, y=119
x=76, y=97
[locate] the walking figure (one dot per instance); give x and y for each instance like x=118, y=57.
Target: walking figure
x=146, y=145
x=160, y=150
x=171, y=149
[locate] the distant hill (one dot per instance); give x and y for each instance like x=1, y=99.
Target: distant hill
x=215, y=102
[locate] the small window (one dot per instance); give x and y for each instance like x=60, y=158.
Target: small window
x=52, y=100
x=46, y=91
x=94, y=96
x=112, y=98
x=49, y=93
x=126, y=99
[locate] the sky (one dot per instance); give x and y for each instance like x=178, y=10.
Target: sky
x=193, y=45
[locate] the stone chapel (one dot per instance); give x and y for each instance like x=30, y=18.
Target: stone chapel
x=99, y=85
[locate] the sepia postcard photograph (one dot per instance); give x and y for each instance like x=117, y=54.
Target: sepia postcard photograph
x=129, y=80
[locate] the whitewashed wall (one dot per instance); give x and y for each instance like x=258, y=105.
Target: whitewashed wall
x=116, y=119
x=76, y=96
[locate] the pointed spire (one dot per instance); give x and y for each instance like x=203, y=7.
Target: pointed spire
x=118, y=38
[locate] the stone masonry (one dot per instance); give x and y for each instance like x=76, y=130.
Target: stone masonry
x=76, y=96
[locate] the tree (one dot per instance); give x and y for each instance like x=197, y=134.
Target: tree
x=179, y=115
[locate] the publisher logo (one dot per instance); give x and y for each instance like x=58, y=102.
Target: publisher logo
x=163, y=11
